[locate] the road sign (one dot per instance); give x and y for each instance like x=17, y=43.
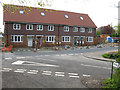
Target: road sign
x=116, y=65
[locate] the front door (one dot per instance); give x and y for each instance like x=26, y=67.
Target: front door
x=30, y=42
x=75, y=40
x=39, y=39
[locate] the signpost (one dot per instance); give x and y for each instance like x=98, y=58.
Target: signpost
x=115, y=65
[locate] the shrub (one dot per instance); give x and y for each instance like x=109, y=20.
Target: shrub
x=106, y=55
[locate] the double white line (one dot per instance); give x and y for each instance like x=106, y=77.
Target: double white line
x=73, y=75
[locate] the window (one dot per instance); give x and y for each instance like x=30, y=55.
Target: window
x=42, y=14
x=82, y=29
x=66, y=16
x=75, y=29
x=66, y=28
x=39, y=27
x=16, y=26
x=81, y=18
x=29, y=27
x=50, y=28
x=21, y=12
x=90, y=30
x=89, y=39
x=65, y=38
x=17, y=38
x=82, y=37
x=50, y=38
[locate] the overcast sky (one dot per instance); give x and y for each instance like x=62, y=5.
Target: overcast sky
x=102, y=12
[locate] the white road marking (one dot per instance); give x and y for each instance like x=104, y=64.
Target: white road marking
x=33, y=64
x=6, y=69
x=81, y=53
x=63, y=54
x=8, y=58
x=84, y=75
x=70, y=54
x=59, y=75
x=95, y=66
x=46, y=74
x=20, y=70
x=18, y=62
x=33, y=70
x=73, y=73
x=20, y=57
x=74, y=76
x=59, y=72
x=57, y=55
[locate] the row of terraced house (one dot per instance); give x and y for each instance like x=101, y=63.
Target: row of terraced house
x=49, y=27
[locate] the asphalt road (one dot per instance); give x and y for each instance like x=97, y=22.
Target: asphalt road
x=51, y=69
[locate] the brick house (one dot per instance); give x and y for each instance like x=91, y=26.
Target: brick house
x=49, y=27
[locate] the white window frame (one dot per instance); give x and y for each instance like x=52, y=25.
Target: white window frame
x=39, y=27
x=51, y=26
x=90, y=30
x=82, y=29
x=66, y=28
x=82, y=37
x=17, y=27
x=21, y=38
x=65, y=38
x=29, y=27
x=75, y=29
x=49, y=38
x=89, y=39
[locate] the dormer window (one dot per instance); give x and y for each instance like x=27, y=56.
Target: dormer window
x=21, y=12
x=66, y=16
x=81, y=18
x=42, y=14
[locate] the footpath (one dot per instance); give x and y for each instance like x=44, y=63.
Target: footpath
x=94, y=82
x=98, y=55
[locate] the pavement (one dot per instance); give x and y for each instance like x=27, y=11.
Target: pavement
x=98, y=55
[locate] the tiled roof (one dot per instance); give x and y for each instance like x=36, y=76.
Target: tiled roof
x=33, y=15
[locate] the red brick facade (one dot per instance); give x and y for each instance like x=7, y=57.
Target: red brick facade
x=56, y=37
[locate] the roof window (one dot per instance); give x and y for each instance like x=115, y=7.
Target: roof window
x=66, y=16
x=81, y=18
x=42, y=14
x=21, y=12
